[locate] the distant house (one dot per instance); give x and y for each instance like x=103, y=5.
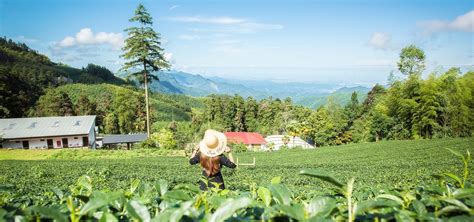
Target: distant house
x=253, y=141
x=48, y=132
x=277, y=141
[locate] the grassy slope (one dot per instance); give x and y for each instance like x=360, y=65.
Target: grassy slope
x=375, y=166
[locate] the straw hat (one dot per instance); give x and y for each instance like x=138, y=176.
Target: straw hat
x=213, y=144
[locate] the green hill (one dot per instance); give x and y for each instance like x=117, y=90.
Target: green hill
x=119, y=109
x=32, y=72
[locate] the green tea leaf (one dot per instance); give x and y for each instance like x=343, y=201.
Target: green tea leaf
x=419, y=207
x=163, y=216
x=454, y=177
x=265, y=195
x=276, y=180
x=176, y=195
x=323, y=176
x=321, y=206
x=228, y=208
x=391, y=197
x=93, y=204
x=162, y=186
x=107, y=217
x=294, y=211
x=190, y=187
x=50, y=213
x=134, y=185
x=281, y=194
x=138, y=211
x=177, y=214
x=463, y=193
x=457, y=203
x=455, y=153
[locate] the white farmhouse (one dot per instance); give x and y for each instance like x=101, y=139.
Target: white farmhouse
x=48, y=132
x=277, y=141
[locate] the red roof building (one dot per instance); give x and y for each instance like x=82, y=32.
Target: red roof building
x=246, y=138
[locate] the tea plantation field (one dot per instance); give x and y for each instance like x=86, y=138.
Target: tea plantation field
x=376, y=167
x=386, y=164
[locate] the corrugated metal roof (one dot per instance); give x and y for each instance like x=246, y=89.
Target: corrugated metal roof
x=45, y=126
x=245, y=138
x=124, y=138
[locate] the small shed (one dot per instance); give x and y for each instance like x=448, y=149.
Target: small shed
x=128, y=139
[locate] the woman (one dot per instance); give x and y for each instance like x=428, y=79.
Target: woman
x=209, y=154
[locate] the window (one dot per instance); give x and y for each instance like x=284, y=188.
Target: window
x=41, y=139
x=17, y=141
x=75, y=138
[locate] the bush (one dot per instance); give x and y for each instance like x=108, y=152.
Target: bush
x=164, y=139
x=147, y=144
x=238, y=147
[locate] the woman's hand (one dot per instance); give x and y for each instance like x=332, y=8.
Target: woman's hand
x=227, y=149
x=195, y=150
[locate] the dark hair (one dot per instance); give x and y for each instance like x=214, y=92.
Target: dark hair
x=211, y=165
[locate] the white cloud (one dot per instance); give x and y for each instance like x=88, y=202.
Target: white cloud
x=168, y=56
x=380, y=40
x=67, y=42
x=173, y=7
x=464, y=23
x=232, y=24
x=260, y=26
x=86, y=37
x=189, y=37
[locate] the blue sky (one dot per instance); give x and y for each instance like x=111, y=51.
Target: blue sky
x=350, y=42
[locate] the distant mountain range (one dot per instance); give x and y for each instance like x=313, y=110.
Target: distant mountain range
x=306, y=94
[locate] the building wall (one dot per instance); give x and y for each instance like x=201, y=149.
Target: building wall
x=92, y=139
x=256, y=147
x=277, y=140
x=12, y=144
x=35, y=143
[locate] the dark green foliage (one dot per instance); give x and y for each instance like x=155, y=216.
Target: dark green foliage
x=238, y=147
x=54, y=103
x=84, y=106
x=99, y=74
x=118, y=109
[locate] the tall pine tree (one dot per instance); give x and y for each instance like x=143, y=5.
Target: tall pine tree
x=143, y=53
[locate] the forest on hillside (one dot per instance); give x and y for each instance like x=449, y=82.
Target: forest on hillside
x=25, y=74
